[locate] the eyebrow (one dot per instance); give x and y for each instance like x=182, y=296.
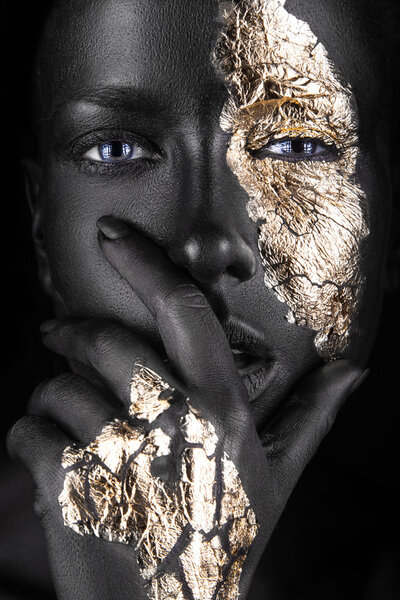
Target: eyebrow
x=126, y=98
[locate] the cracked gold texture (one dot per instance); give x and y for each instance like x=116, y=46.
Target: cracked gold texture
x=192, y=533
x=282, y=85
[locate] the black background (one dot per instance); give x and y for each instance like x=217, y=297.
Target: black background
x=339, y=537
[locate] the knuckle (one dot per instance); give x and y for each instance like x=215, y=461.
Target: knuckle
x=58, y=386
x=102, y=342
x=19, y=433
x=299, y=403
x=185, y=295
x=35, y=399
x=15, y=433
x=53, y=391
x=21, y=427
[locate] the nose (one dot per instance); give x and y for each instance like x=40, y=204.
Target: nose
x=210, y=253
x=213, y=228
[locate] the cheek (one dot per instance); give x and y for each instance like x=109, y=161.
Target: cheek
x=85, y=283
x=71, y=237
x=311, y=230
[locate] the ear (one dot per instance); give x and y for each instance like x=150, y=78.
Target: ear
x=32, y=176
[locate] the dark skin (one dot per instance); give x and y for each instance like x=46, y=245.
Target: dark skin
x=189, y=265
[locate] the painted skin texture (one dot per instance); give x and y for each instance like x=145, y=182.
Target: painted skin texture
x=189, y=518
x=282, y=86
x=312, y=212
x=94, y=282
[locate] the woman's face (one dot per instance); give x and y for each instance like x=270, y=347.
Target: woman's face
x=247, y=143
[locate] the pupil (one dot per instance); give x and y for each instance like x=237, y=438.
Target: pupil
x=298, y=146
x=115, y=150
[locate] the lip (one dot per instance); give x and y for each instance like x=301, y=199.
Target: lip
x=255, y=360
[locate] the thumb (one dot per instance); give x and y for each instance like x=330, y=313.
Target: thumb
x=294, y=435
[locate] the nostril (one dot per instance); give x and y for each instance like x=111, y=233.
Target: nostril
x=243, y=270
x=231, y=271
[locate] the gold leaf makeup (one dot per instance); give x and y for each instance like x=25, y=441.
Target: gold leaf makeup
x=283, y=90
x=175, y=496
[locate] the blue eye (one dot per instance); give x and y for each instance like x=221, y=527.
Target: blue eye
x=296, y=149
x=117, y=151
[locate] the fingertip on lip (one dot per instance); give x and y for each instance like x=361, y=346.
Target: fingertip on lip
x=113, y=228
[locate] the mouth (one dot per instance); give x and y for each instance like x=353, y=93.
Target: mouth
x=254, y=359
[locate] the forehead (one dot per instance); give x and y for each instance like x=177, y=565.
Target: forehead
x=152, y=45
x=352, y=34
x=164, y=48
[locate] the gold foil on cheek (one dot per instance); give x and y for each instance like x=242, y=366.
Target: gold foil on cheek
x=282, y=85
x=191, y=523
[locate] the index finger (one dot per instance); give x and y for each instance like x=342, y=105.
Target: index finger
x=194, y=340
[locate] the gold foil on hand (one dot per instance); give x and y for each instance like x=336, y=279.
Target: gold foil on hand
x=282, y=85
x=146, y=390
x=192, y=532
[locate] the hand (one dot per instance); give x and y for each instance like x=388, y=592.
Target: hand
x=158, y=484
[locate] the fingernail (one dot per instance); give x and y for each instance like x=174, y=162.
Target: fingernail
x=358, y=381
x=113, y=228
x=48, y=326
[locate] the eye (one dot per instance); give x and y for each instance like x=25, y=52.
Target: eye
x=117, y=151
x=293, y=149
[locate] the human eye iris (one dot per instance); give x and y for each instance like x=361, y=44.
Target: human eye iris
x=111, y=151
x=295, y=149
x=116, y=151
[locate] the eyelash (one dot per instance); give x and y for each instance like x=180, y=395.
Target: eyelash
x=81, y=146
x=329, y=152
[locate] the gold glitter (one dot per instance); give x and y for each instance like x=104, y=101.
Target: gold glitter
x=192, y=530
x=168, y=588
x=282, y=85
x=146, y=387
x=202, y=563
